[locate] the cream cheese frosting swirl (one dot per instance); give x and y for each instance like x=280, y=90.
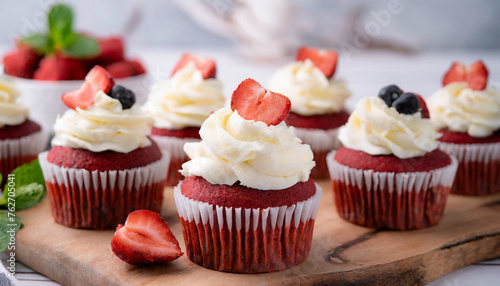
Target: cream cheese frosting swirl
x=12, y=112
x=103, y=126
x=377, y=129
x=186, y=100
x=310, y=92
x=461, y=109
x=259, y=156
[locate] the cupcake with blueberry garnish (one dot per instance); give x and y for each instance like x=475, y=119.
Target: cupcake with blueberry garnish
x=389, y=172
x=180, y=105
x=21, y=139
x=318, y=101
x=102, y=164
x=467, y=112
x=247, y=204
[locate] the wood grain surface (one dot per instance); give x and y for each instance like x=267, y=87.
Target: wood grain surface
x=341, y=254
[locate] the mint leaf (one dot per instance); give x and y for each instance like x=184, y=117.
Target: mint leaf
x=25, y=196
x=29, y=186
x=28, y=173
x=82, y=47
x=9, y=223
x=37, y=41
x=1, y=178
x=60, y=25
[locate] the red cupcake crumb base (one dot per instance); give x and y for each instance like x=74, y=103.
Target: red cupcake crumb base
x=464, y=138
x=230, y=250
x=238, y=196
x=17, y=131
x=390, y=163
x=410, y=209
x=106, y=160
x=101, y=208
x=189, y=132
x=324, y=121
x=477, y=178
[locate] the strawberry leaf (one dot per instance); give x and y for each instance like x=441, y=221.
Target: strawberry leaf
x=82, y=47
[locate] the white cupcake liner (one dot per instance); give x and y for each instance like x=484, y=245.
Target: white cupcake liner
x=391, y=200
x=25, y=146
x=190, y=210
x=414, y=181
x=102, y=199
x=479, y=167
x=319, y=139
x=473, y=152
x=225, y=238
x=174, y=146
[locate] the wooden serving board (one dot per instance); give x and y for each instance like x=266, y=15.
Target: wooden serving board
x=341, y=253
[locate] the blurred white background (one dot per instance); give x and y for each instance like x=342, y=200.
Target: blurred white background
x=403, y=25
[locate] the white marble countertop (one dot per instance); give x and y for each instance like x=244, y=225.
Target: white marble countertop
x=365, y=73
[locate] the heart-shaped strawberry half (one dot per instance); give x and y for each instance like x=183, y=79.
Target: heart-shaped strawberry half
x=254, y=102
x=205, y=65
x=476, y=75
x=145, y=239
x=97, y=79
x=325, y=60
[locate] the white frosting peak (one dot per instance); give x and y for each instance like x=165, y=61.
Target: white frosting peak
x=377, y=129
x=186, y=100
x=461, y=109
x=309, y=90
x=12, y=112
x=103, y=126
x=259, y=156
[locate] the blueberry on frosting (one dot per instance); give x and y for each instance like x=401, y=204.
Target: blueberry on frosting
x=125, y=96
x=407, y=103
x=390, y=93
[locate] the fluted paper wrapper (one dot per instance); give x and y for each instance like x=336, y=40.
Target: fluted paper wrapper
x=391, y=200
x=174, y=146
x=18, y=151
x=102, y=200
x=246, y=240
x=321, y=142
x=478, y=168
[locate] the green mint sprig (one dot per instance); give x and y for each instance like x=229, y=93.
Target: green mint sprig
x=61, y=38
x=29, y=189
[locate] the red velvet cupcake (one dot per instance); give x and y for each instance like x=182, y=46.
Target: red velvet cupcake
x=247, y=204
x=390, y=174
x=102, y=165
x=317, y=102
x=20, y=138
x=467, y=112
x=180, y=105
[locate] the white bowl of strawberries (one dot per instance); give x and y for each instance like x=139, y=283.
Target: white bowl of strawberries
x=43, y=67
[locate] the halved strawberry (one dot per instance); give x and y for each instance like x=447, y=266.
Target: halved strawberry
x=477, y=76
x=145, y=239
x=111, y=50
x=58, y=67
x=97, y=79
x=205, y=65
x=325, y=60
x=423, y=107
x=456, y=73
x=254, y=102
x=125, y=69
